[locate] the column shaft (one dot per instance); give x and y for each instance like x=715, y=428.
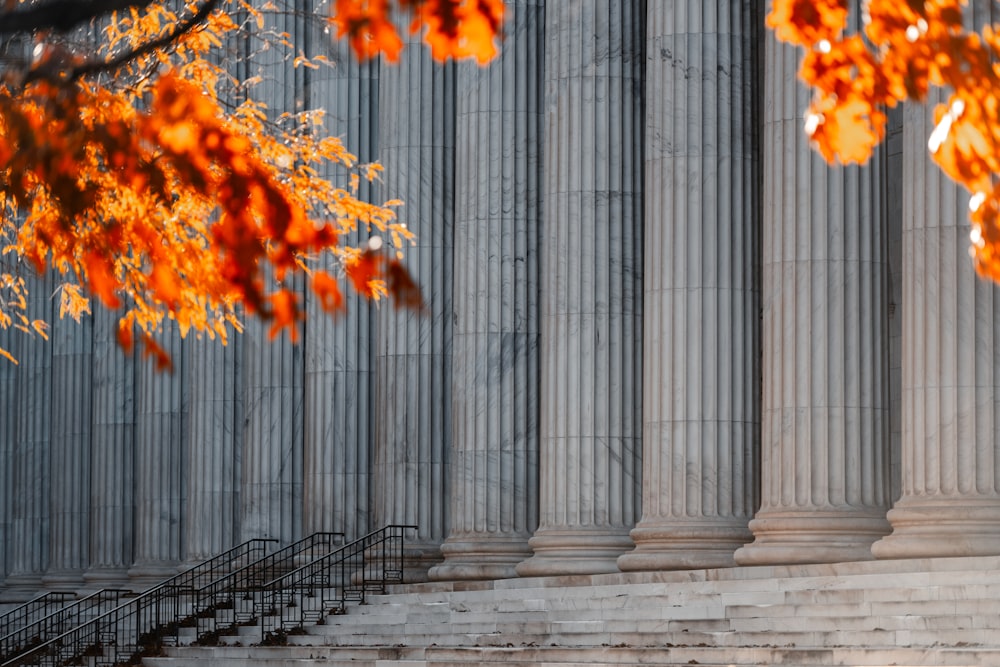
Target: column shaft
x=338, y=376
x=413, y=353
x=494, y=467
x=701, y=380
x=159, y=465
x=825, y=338
x=950, y=503
x=112, y=456
x=591, y=305
x=72, y=375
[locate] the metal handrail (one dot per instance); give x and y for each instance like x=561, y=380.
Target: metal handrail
x=58, y=622
x=235, y=590
x=32, y=610
x=325, y=585
x=122, y=633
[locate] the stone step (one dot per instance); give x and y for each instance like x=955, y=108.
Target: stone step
x=572, y=657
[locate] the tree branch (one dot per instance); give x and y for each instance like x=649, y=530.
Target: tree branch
x=97, y=66
x=62, y=15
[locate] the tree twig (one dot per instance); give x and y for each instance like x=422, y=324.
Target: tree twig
x=62, y=15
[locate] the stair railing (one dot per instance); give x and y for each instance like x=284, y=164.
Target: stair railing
x=232, y=600
x=59, y=621
x=121, y=634
x=324, y=586
x=31, y=611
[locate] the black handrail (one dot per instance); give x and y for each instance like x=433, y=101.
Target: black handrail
x=123, y=633
x=31, y=611
x=235, y=591
x=58, y=622
x=324, y=586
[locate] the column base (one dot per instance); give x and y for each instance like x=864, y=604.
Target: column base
x=63, y=579
x=143, y=576
x=670, y=544
x=820, y=536
x=21, y=587
x=941, y=527
x=470, y=559
x=581, y=551
x=106, y=577
x=418, y=559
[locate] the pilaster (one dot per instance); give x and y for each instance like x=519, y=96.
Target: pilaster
x=591, y=272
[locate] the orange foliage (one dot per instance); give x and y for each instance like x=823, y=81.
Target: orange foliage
x=452, y=28
x=907, y=47
x=151, y=192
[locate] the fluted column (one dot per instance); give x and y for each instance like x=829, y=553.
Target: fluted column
x=32, y=449
x=112, y=456
x=271, y=476
x=8, y=432
x=950, y=504
x=591, y=306
x=701, y=370
x=494, y=467
x=824, y=490
x=72, y=375
x=338, y=370
x=413, y=350
x=159, y=465
x=213, y=452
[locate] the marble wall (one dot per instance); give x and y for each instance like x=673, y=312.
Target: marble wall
x=658, y=333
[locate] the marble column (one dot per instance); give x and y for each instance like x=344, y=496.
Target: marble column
x=159, y=464
x=30, y=527
x=591, y=277
x=72, y=392
x=272, y=370
x=271, y=476
x=338, y=370
x=701, y=369
x=413, y=349
x=494, y=466
x=950, y=504
x=824, y=486
x=112, y=456
x=213, y=451
x=8, y=432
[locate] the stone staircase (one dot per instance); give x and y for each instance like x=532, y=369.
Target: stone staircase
x=914, y=612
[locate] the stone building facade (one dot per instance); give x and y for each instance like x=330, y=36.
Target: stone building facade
x=660, y=333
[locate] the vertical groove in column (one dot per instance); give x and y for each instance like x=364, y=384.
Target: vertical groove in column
x=825, y=340
x=701, y=321
x=950, y=503
x=413, y=353
x=338, y=375
x=591, y=304
x=159, y=466
x=212, y=493
x=112, y=456
x=271, y=495
x=494, y=469
x=32, y=448
x=72, y=375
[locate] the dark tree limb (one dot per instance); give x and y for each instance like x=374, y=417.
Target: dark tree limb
x=97, y=66
x=61, y=15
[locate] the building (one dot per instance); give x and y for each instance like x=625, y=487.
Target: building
x=661, y=333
